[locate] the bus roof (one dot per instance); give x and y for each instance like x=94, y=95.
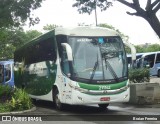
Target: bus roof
x=143, y=54
x=137, y=54
x=75, y=31
x=85, y=31
x=149, y=53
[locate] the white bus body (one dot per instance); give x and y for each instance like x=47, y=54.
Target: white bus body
x=82, y=65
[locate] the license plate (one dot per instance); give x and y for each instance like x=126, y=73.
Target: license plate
x=105, y=99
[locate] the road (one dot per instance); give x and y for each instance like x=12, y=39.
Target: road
x=92, y=114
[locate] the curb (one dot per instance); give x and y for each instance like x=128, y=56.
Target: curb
x=153, y=106
x=19, y=112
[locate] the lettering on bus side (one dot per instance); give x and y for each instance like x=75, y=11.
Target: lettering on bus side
x=104, y=87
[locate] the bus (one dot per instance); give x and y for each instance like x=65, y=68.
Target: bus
x=129, y=60
x=76, y=66
x=7, y=73
x=152, y=61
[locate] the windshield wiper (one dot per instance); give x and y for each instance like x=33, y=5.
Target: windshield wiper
x=111, y=70
x=94, y=69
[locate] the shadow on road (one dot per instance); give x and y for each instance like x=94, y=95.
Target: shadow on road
x=43, y=104
x=73, y=109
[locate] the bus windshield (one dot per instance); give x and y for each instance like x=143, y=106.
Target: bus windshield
x=98, y=58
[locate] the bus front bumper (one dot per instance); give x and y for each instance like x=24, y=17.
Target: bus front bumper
x=82, y=96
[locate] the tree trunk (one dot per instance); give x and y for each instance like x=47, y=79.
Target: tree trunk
x=149, y=15
x=154, y=23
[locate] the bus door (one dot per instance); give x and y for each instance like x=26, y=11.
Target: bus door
x=66, y=77
x=1, y=74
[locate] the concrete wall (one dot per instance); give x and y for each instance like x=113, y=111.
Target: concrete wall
x=145, y=93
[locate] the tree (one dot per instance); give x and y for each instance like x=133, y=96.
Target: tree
x=49, y=27
x=16, y=12
x=87, y=6
x=152, y=48
x=7, y=43
x=13, y=38
x=139, y=49
x=31, y=34
x=148, y=13
x=147, y=48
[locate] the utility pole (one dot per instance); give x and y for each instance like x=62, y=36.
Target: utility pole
x=95, y=12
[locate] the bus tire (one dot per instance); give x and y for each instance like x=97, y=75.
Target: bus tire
x=103, y=106
x=56, y=100
x=158, y=73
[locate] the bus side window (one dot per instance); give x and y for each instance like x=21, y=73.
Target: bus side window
x=149, y=60
x=158, y=58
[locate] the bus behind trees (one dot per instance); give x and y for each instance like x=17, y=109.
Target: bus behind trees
x=7, y=73
x=80, y=66
x=150, y=60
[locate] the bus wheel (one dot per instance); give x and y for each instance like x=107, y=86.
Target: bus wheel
x=158, y=73
x=103, y=106
x=56, y=100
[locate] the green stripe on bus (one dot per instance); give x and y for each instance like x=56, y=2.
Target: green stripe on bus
x=103, y=86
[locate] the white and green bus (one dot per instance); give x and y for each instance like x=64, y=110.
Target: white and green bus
x=77, y=66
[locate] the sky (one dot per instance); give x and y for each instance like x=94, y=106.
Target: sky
x=61, y=12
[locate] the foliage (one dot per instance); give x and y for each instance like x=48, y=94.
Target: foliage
x=127, y=49
x=87, y=6
x=139, y=75
x=16, y=12
x=20, y=100
x=49, y=27
x=148, y=48
x=13, y=100
x=4, y=107
x=9, y=39
x=140, y=49
x=5, y=96
x=148, y=12
x=31, y=34
x=5, y=93
x=145, y=48
x=12, y=38
x=152, y=48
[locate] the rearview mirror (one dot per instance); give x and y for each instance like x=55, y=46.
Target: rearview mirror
x=68, y=50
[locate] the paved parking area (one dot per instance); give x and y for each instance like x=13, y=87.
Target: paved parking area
x=155, y=79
